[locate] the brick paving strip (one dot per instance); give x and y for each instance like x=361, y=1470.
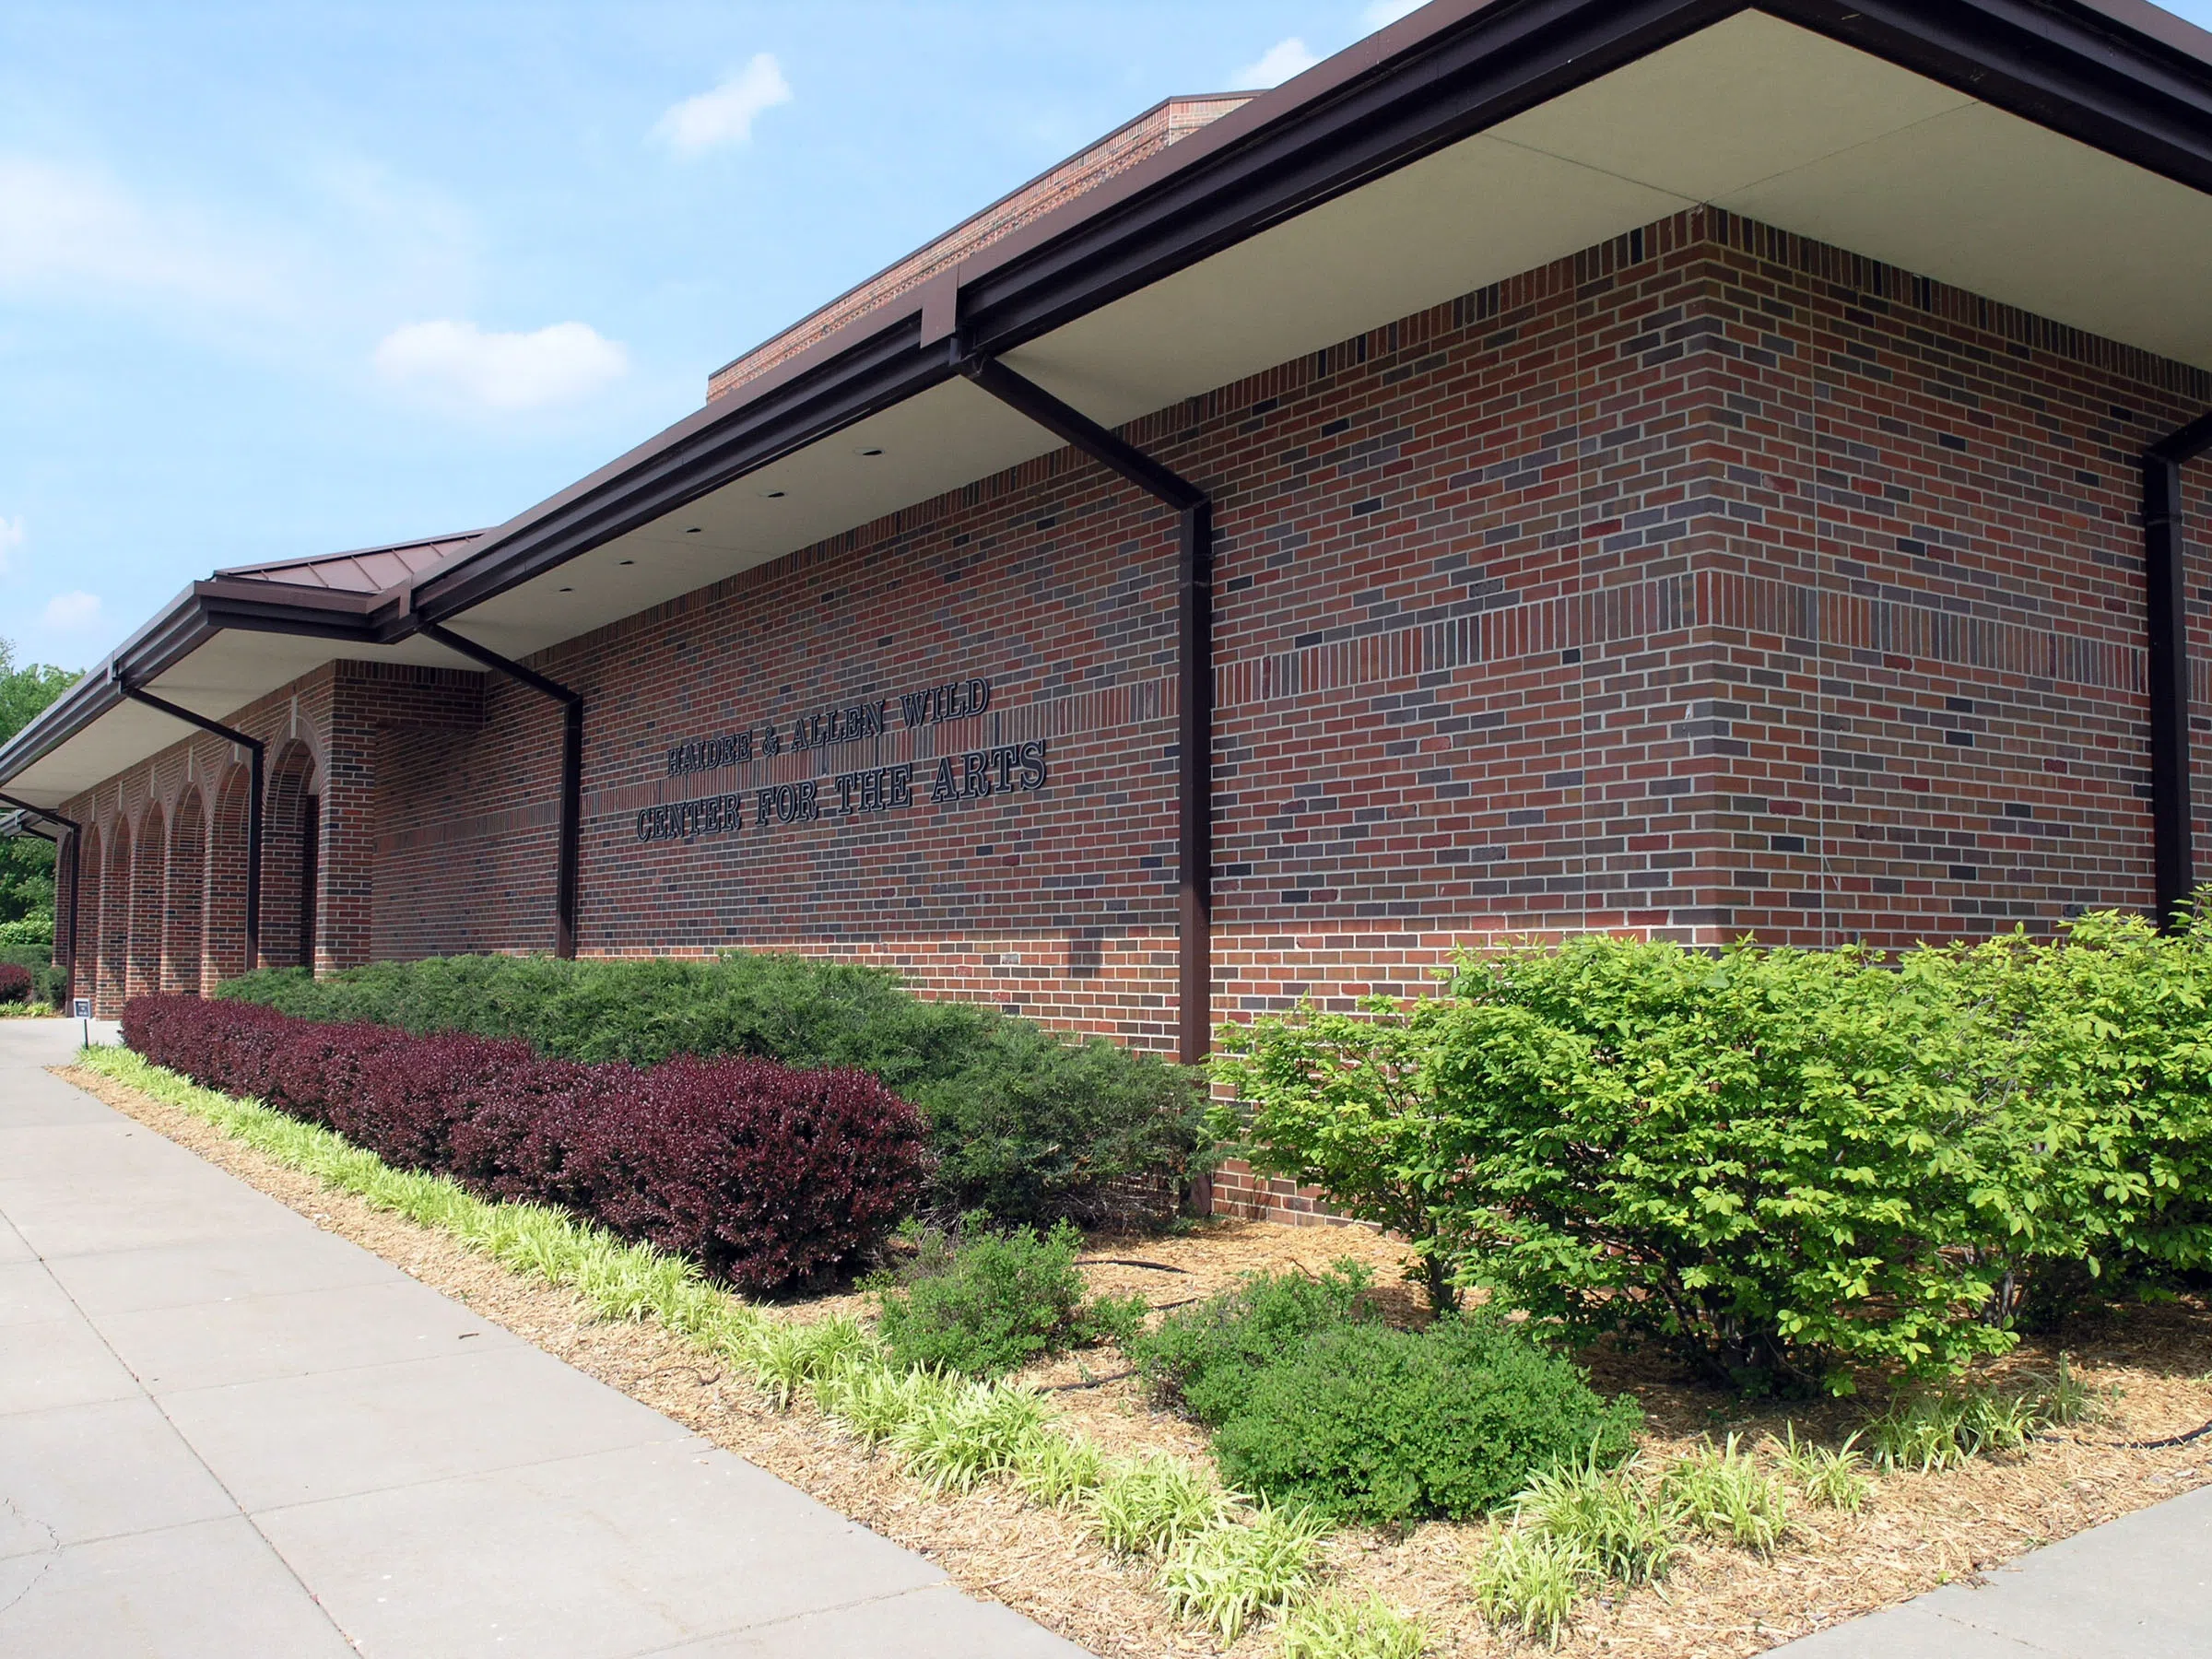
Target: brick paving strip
x=224, y=1430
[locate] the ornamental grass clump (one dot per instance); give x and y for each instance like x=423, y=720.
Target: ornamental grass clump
x=872, y=1401
x=1935, y=1430
x=1529, y=1583
x=1340, y=1625
x=1228, y=1577
x=1832, y=1477
x=786, y=1357
x=959, y=1437
x=1630, y=1531
x=1148, y=1506
x=1723, y=1492
x=1060, y=1471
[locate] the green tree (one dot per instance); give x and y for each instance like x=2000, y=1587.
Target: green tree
x=26, y=863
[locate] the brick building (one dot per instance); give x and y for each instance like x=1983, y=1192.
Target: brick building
x=1560, y=464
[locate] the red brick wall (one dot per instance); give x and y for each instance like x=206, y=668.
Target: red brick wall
x=1709, y=582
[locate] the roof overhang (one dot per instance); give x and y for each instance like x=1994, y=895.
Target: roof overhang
x=2056, y=157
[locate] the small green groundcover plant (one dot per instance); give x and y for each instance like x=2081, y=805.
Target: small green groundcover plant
x=1313, y=1400
x=983, y=1303
x=1930, y=1429
x=1025, y=1125
x=1590, y=1521
x=1789, y=1169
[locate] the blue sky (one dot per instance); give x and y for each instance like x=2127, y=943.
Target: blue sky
x=281, y=279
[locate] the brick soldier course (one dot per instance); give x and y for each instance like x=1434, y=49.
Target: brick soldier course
x=1710, y=579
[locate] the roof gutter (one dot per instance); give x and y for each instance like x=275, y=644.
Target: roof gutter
x=2117, y=75
x=1442, y=74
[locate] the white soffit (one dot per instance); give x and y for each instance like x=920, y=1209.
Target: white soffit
x=1768, y=120
x=229, y=671
x=949, y=436
x=1752, y=114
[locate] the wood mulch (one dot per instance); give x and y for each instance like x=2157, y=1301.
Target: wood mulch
x=2151, y=1365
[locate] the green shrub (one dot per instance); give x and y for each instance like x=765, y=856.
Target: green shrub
x=47, y=981
x=1026, y=1126
x=1344, y=1104
x=1785, y=1165
x=1208, y=1356
x=1389, y=1426
x=985, y=1303
x=1338, y=1624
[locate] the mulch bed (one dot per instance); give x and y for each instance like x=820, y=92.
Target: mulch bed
x=2152, y=1365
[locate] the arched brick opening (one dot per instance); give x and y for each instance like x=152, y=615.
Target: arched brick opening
x=114, y=921
x=290, y=859
x=150, y=854
x=186, y=893
x=224, y=901
x=89, y=884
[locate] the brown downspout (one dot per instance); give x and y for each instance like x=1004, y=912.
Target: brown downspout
x=1193, y=676
x=568, y=857
x=2166, y=635
x=76, y=837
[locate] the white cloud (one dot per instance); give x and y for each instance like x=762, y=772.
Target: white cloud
x=462, y=362
x=726, y=114
x=11, y=537
x=73, y=230
x=1380, y=13
x=71, y=612
x=1277, y=65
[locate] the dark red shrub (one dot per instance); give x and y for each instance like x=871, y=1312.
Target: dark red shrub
x=16, y=984
x=764, y=1175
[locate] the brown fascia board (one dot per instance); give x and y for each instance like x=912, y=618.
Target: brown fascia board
x=979, y=216
x=2117, y=74
x=195, y=617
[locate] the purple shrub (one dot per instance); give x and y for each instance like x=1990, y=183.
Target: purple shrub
x=765, y=1175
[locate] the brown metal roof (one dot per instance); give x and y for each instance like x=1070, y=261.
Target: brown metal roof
x=364, y=570
x=1164, y=123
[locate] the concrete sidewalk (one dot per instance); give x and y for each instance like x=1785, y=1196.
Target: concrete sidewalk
x=225, y=1432
x=2136, y=1588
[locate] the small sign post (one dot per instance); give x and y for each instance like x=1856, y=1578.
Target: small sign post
x=81, y=1007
